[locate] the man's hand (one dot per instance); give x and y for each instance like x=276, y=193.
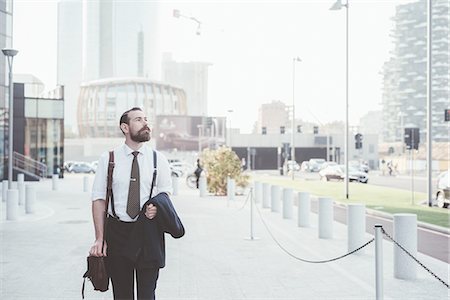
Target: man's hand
x=96, y=249
x=150, y=211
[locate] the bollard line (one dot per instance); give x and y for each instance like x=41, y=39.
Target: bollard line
x=378, y=262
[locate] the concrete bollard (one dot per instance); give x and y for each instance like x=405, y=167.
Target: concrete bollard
x=304, y=209
x=4, y=190
x=21, y=188
x=326, y=216
x=175, y=185
x=275, y=196
x=258, y=192
x=288, y=203
x=231, y=188
x=12, y=205
x=405, y=233
x=55, y=182
x=202, y=184
x=85, y=184
x=266, y=195
x=30, y=198
x=356, y=226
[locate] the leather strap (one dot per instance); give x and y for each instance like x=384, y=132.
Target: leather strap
x=108, y=193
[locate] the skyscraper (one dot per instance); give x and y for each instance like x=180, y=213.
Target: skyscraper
x=104, y=39
x=405, y=74
x=193, y=78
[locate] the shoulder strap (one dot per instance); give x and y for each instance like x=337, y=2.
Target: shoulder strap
x=109, y=193
x=155, y=165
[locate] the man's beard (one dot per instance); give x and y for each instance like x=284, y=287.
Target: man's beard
x=141, y=136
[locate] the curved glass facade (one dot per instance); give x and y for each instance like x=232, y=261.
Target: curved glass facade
x=102, y=102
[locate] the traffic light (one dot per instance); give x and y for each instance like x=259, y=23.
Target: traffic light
x=209, y=121
x=412, y=138
x=358, y=140
x=299, y=128
x=282, y=129
x=264, y=130
x=316, y=129
x=447, y=115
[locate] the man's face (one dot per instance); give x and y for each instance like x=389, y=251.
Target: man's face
x=138, y=126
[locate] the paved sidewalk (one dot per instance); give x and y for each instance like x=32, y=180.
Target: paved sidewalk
x=43, y=256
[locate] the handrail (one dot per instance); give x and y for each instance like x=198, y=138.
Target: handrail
x=29, y=165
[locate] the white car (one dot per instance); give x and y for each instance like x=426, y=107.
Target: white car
x=443, y=189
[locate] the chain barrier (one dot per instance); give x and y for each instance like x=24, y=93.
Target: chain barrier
x=245, y=202
x=415, y=259
x=302, y=259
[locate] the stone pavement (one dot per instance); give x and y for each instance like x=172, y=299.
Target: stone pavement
x=43, y=255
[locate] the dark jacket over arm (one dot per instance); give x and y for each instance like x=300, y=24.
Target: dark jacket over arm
x=147, y=243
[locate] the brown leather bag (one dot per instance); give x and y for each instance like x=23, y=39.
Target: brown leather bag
x=96, y=267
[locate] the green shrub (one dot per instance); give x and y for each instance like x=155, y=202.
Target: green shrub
x=220, y=164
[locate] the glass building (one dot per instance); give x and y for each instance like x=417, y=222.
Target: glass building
x=102, y=102
x=5, y=42
x=38, y=130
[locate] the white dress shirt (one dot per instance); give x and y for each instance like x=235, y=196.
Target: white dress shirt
x=123, y=159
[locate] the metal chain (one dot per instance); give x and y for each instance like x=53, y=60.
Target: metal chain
x=415, y=259
x=245, y=202
x=302, y=259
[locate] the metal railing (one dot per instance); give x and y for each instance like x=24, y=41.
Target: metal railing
x=29, y=166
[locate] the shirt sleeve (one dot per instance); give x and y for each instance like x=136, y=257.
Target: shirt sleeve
x=100, y=180
x=163, y=177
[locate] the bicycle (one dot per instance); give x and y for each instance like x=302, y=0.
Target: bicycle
x=191, y=181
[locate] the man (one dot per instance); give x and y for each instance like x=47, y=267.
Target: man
x=134, y=238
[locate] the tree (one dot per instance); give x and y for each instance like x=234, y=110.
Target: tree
x=220, y=164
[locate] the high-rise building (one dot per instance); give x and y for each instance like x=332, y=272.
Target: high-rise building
x=105, y=39
x=69, y=58
x=405, y=74
x=272, y=116
x=6, y=21
x=193, y=78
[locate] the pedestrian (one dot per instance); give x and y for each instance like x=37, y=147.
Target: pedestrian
x=198, y=171
x=136, y=220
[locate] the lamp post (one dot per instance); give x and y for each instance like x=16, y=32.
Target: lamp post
x=294, y=60
x=10, y=53
x=337, y=6
x=177, y=14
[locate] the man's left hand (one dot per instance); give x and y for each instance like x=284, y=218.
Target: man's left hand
x=150, y=211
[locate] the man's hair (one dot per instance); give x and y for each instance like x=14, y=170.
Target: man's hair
x=124, y=118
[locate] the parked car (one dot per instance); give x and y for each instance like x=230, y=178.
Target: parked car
x=315, y=164
x=362, y=166
x=443, y=189
x=291, y=164
x=304, y=166
x=81, y=167
x=326, y=164
x=337, y=172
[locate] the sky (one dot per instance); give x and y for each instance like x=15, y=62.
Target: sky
x=251, y=46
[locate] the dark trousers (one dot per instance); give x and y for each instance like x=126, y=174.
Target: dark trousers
x=122, y=270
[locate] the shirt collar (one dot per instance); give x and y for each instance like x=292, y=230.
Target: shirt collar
x=129, y=151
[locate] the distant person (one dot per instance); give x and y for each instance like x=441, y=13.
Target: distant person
x=136, y=220
x=243, y=164
x=389, y=165
x=198, y=171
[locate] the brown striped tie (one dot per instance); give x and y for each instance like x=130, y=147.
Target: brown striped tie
x=133, y=205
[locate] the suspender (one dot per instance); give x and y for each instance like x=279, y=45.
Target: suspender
x=110, y=172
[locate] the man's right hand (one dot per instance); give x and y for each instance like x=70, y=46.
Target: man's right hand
x=96, y=249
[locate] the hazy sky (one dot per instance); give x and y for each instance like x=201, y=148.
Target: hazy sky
x=251, y=45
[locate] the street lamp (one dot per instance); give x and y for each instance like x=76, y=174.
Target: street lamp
x=294, y=60
x=10, y=53
x=177, y=14
x=337, y=6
